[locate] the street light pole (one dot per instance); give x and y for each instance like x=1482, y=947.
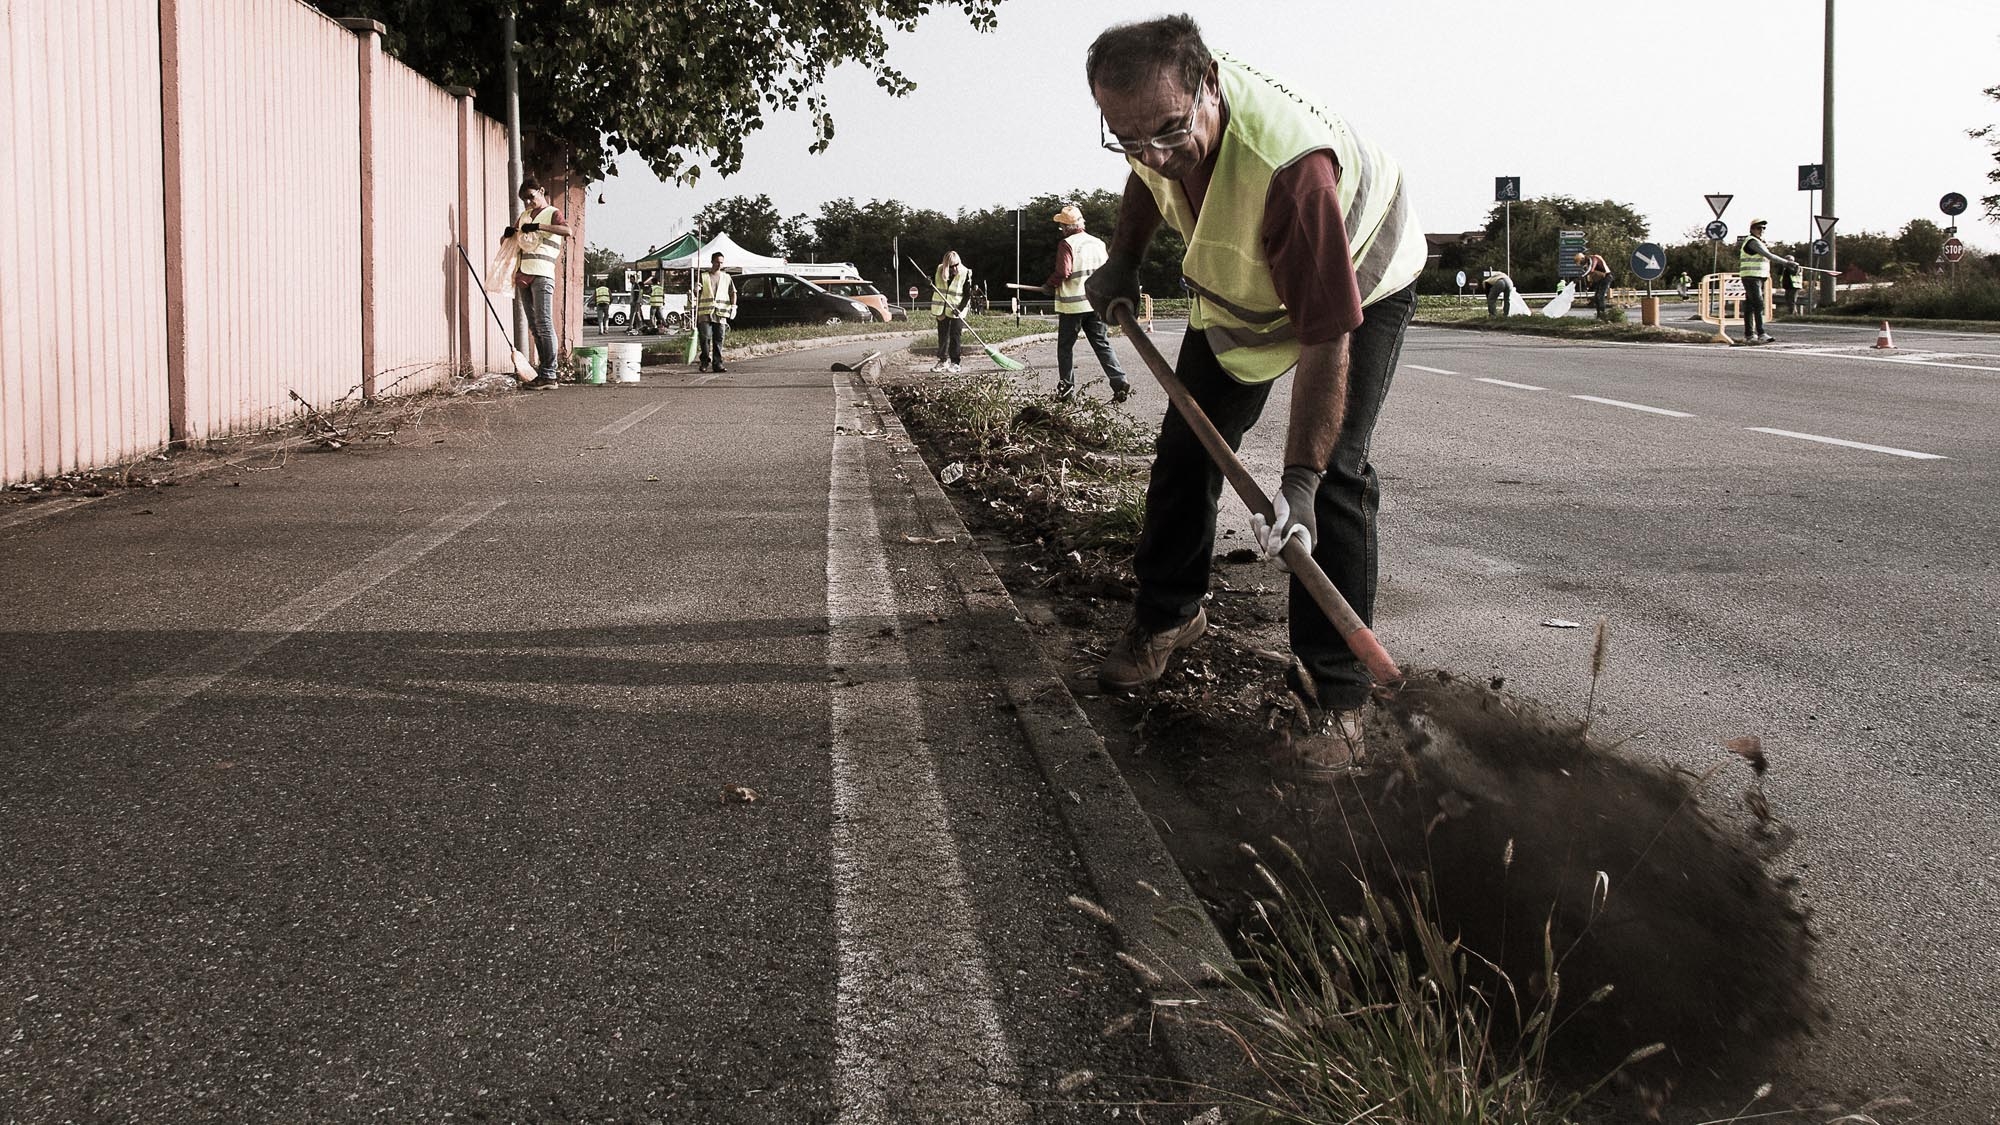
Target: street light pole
x=1017, y=262
x=514, y=171
x=1828, y=281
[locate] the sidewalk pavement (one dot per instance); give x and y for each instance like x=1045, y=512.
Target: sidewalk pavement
x=630, y=752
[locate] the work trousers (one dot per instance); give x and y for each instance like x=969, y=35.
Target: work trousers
x=538, y=299
x=1753, y=307
x=1177, y=543
x=1067, y=325
x=1600, y=297
x=708, y=333
x=951, y=332
x=603, y=319
x=1497, y=300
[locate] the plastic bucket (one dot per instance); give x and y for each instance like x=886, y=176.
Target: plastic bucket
x=625, y=360
x=589, y=365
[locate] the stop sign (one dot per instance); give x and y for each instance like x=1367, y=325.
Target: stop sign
x=1953, y=249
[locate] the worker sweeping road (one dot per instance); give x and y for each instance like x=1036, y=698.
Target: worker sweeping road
x=1302, y=255
x=541, y=233
x=948, y=301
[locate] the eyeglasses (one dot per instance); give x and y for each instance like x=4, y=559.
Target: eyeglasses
x=1171, y=139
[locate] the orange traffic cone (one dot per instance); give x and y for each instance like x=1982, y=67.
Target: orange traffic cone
x=1882, y=339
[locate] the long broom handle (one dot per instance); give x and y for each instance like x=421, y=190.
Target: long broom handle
x=487, y=297
x=1359, y=637
x=959, y=309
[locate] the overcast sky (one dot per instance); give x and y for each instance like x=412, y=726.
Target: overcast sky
x=1653, y=105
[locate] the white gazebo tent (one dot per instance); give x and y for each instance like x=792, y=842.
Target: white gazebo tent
x=734, y=257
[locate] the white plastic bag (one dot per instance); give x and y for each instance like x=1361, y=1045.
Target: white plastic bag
x=1565, y=297
x=500, y=273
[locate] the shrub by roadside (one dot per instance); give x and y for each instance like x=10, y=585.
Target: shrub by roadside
x=1567, y=327
x=1969, y=298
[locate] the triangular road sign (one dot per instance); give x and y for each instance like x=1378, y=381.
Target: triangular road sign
x=1717, y=203
x=1825, y=224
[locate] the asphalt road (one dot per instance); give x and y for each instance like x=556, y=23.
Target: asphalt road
x=405, y=783
x=1798, y=541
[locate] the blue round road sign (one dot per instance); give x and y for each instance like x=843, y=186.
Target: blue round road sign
x=1952, y=204
x=1822, y=247
x=1648, y=260
x=1717, y=231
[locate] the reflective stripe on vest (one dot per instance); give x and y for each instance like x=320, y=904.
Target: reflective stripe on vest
x=1749, y=264
x=1270, y=128
x=540, y=251
x=657, y=296
x=948, y=294
x=718, y=296
x=1086, y=256
x=601, y=297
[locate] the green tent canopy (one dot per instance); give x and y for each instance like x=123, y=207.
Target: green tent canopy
x=678, y=248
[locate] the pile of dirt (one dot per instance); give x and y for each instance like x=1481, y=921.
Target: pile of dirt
x=1531, y=843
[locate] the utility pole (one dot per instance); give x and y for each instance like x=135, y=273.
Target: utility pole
x=1017, y=261
x=1828, y=281
x=514, y=151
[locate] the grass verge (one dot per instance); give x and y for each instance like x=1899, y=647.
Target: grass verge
x=1571, y=328
x=994, y=328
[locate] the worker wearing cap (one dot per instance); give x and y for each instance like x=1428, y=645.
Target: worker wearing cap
x=948, y=299
x=1753, y=265
x=1595, y=274
x=1078, y=256
x=1302, y=257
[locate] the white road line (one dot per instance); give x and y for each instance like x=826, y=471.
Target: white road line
x=1516, y=386
x=631, y=420
x=705, y=380
x=1633, y=406
x=1432, y=370
x=149, y=699
x=918, y=1035
x=1889, y=449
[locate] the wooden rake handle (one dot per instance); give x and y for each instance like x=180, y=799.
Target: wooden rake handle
x=1359, y=637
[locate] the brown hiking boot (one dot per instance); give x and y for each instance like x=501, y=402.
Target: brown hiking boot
x=1140, y=656
x=1332, y=740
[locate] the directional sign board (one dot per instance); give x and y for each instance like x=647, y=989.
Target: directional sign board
x=1717, y=231
x=1952, y=204
x=1953, y=249
x=1506, y=189
x=1718, y=203
x=1648, y=261
x=1812, y=177
x=1822, y=247
x=1569, y=244
x=1825, y=225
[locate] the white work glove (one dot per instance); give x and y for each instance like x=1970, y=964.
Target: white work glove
x=1292, y=511
x=1116, y=280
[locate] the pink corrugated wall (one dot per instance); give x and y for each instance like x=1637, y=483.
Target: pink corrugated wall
x=83, y=315
x=416, y=225
x=268, y=159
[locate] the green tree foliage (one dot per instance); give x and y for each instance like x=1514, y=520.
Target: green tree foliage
x=677, y=83
x=599, y=261
x=753, y=221
x=1991, y=134
x=1919, y=244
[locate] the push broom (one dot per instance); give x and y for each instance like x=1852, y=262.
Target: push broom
x=1000, y=359
x=523, y=370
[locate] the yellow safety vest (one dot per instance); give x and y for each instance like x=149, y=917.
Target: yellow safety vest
x=1748, y=264
x=1270, y=128
x=602, y=296
x=657, y=297
x=717, y=300
x=948, y=293
x=540, y=250
x=1086, y=256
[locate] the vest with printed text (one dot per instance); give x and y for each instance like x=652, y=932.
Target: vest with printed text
x=1270, y=128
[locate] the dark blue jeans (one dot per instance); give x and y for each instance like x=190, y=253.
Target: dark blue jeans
x=1177, y=545
x=1067, y=325
x=1753, y=307
x=708, y=336
x=538, y=298
x=951, y=334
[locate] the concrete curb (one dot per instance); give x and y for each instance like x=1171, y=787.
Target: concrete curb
x=1158, y=919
